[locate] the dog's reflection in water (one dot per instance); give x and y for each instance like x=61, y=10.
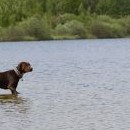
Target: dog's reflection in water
x=9, y=98
x=13, y=103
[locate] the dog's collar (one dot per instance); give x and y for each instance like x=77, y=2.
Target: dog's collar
x=18, y=73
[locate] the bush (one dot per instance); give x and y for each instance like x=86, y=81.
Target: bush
x=61, y=29
x=77, y=28
x=72, y=28
x=126, y=24
x=107, y=29
x=66, y=17
x=106, y=19
x=100, y=30
x=118, y=30
x=37, y=28
x=1, y=33
x=13, y=33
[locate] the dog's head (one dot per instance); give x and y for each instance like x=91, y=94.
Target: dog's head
x=24, y=67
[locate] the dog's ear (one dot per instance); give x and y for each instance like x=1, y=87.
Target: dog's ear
x=21, y=66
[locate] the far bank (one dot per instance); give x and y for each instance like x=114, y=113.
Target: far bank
x=67, y=26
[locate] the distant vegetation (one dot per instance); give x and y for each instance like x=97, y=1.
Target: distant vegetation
x=63, y=19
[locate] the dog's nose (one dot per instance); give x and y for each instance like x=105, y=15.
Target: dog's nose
x=31, y=69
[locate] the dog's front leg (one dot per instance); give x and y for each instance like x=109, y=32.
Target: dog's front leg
x=13, y=90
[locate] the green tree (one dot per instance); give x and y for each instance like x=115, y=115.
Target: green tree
x=90, y=5
x=65, y=6
x=114, y=7
x=12, y=11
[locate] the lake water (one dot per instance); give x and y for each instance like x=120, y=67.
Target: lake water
x=75, y=85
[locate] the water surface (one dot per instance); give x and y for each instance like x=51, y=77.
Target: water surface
x=75, y=85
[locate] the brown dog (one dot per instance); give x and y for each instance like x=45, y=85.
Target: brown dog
x=9, y=79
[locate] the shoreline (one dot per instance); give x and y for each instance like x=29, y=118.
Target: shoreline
x=65, y=40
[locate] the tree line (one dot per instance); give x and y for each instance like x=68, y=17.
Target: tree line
x=12, y=11
x=59, y=15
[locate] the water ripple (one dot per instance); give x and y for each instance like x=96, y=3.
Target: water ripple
x=76, y=85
